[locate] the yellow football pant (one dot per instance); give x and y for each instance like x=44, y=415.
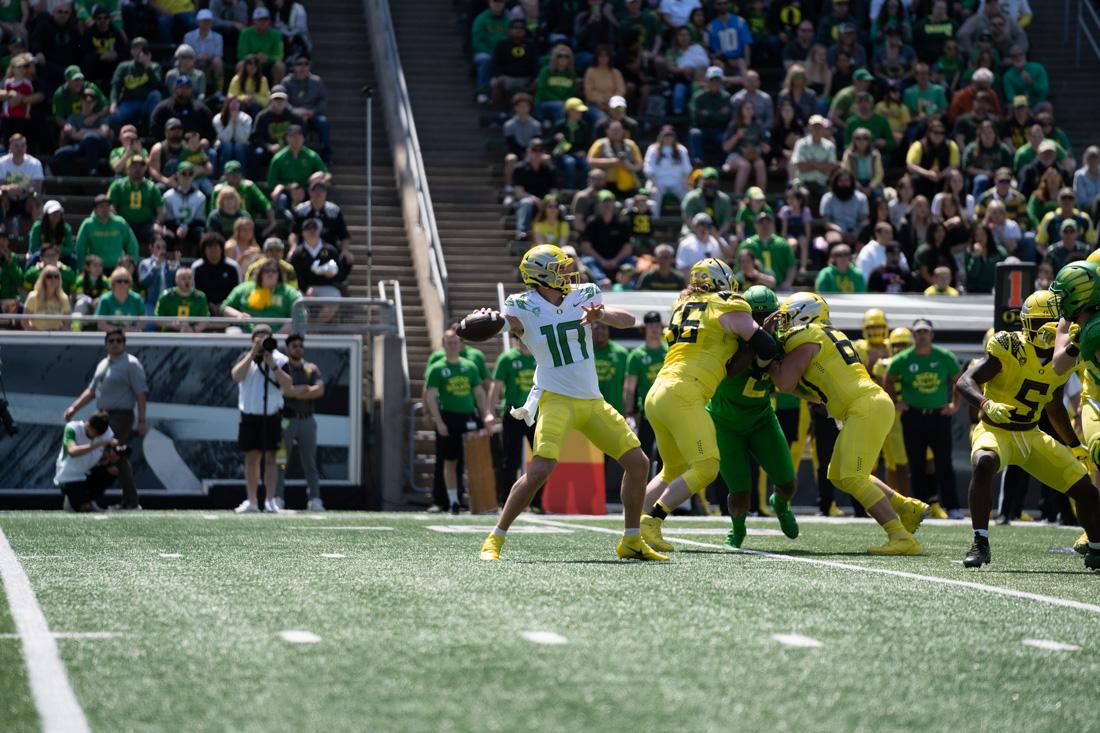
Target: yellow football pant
x=676, y=408
x=1032, y=450
x=866, y=425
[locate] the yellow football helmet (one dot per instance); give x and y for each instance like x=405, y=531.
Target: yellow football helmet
x=899, y=339
x=1039, y=316
x=714, y=275
x=802, y=309
x=875, y=328
x=548, y=266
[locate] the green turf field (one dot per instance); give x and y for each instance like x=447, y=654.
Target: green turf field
x=413, y=633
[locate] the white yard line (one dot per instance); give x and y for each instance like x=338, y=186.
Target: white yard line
x=1051, y=646
x=548, y=638
x=1010, y=592
x=54, y=698
x=74, y=635
x=797, y=640
x=299, y=636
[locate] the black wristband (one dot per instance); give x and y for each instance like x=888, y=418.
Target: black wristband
x=763, y=344
x=1073, y=351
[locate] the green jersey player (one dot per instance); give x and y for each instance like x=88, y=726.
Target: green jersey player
x=745, y=422
x=1076, y=290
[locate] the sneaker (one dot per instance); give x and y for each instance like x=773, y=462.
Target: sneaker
x=835, y=511
x=651, y=534
x=1080, y=545
x=315, y=505
x=279, y=503
x=95, y=508
x=956, y=514
x=935, y=511
x=1025, y=517
x=455, y=509
x=490, y=548
x=247, y=507
x=978, y=554
x=897, y=546
x=435, y=509
x=634, y=548
x=269, y=506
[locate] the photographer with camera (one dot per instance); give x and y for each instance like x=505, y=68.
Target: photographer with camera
x=117, y=386
x=260, y=383
x=87, y=464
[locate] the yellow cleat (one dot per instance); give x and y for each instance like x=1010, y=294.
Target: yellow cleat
x=1081, y=544
x=935, y=511
x=634, y=548
x=912, y=513
x=835, y=511
x=1025, y=517
x=651, y=533
x=898, y=546
x=490, y=548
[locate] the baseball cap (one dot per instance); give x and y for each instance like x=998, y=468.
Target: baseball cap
x=318, y=184
x=73, y=72
x=715, y=72
x=173, y=122
x=701, y=218
x=605, y=196
x=574, y=104
x=983, y=76
x=628, y=268
x=847, y=28
x=764, y=215
x=233, y=166
x=1003, y=174
x=260, y=13
x=1067, y=224
x=755, y=194
x=278, y=92
x=1048, y=146
x=1066, y=192
x=204, y=14
x=312, y=223
x=922, y=324
x=893, y=246
x=651, y=317
x=1019, y=101
x=616, y=102
x=294, y=130
x=52, y=207
x=183, y=80
x=185, y=51
x=818, y=120
x=185, y=167
x=709, y=172
x=863, y=75
x=137, y=160
x=101, y=199
x=139, y=41
x=128, y=130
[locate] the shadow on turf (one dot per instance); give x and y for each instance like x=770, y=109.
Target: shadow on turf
x=1085, y=571
x=573, y=562
x=795, y=553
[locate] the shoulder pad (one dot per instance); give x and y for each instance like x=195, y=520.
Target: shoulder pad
x=724, y=295
x=1089, y=338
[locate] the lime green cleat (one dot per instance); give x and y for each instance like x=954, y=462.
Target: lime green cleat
x=787, y=521
x=735, y=537
x=911, y=513
x=1081, y=544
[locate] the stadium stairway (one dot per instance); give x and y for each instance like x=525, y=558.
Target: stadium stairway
x=344, y=61
x=1073, y=87
x=456, y=157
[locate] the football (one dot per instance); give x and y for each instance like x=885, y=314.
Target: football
x=481, y=326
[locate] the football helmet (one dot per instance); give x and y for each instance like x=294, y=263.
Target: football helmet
x=875, y=328
x=802, y=309
x=1075, y=288
x=548, y=266
x=714, y=275
x=761, y=299
x=1039, y=316
x=900, y=338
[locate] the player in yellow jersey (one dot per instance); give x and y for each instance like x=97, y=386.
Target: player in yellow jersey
x=819, y=362
x=893, y=450
x=1011, y=387
x=708, y=323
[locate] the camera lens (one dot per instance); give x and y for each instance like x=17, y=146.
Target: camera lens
x=270, y=344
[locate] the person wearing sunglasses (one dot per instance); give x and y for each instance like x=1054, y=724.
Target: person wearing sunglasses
x=47, y=298
x=118, y=385
x=185, y=220
x=121, y=301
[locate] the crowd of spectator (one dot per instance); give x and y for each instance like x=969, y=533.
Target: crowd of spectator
x=842, y=145
x=210, y=132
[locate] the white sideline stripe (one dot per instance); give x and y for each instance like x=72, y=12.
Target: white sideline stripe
x=54, y=698
x=74, y=635
x=1051, y=646
x=798, y=640
x=548, y=638
x=170, y=554
x=209, y=516
x=1010, y=592
x=333, y=555
x=299, y=636
x=485, y=529
x=673, y=531
x=349, y=528
x=803, y=519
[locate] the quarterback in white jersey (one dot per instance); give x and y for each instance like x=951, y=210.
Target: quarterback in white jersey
x=554, y=318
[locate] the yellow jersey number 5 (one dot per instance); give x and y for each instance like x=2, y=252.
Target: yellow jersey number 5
x=683, y=327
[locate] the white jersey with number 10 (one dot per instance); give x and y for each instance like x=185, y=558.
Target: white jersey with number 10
x=561, y=344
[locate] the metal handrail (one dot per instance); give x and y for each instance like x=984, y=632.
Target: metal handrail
x=1092, y=35
x=400, y=315
x=415, y=161
x=79, y=318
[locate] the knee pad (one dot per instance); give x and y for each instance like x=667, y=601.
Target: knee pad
x=1094, y=449
x=861, y=489
x=701, y=474
x=987, y=463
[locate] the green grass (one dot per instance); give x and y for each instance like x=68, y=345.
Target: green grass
x=417, y=635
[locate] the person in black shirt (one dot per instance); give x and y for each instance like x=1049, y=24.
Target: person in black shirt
x=531, y=181
x=891, y=277
x=333, y=227
x=195, y=116
x=101, y=46
x=269, y=131
x=317, y=264
x=55, y=43
x=664, y=276
x=214, y=275
x=515, y=64
x=606, y=244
